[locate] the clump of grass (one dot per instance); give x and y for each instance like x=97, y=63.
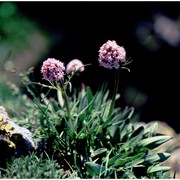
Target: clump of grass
x=36, y=167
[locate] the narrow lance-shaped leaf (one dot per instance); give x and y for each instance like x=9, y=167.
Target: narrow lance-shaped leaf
x=154, y=169
x=159, y=157
x=122, y=162
x=116, y=157
x=127, y=114
x=132, y=142
x=94, y=168
x=154, y=142
x=60, y=98
x=90, y=99
x=98, y=151
x=151, y=129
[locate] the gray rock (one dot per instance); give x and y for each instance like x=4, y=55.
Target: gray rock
x=19, y=136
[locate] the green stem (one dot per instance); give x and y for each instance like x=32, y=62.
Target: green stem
x=65, y=99
x=66, y=103
x=116, y=84
x=43, y=85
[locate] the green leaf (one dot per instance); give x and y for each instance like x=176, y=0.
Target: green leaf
x=113, y=159
x=107, y=122
x=137, y=132
x=132, y=142
x=122, y=162
x=98, y=151
x=101, y=96
x=105, y=109
x=127, y=114
x=105, y=96
x=155, y=169
x=121, y=126
x=165, y=175
x=154, y=142
x=124, y=129
x=81, y=136
x=151, y=129
x=122, y=156
x=94, y=168
x=137, y=162
x=89, y=95
x=159, y=157
x=60, y=98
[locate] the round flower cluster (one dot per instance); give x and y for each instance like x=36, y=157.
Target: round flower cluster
x=111, y=55
x=52, y=69
x=74, y=65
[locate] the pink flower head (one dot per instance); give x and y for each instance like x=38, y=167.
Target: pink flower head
x=73, y=65
x=111, y=55
x=52, y=69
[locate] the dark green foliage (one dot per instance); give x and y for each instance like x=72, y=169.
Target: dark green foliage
x=95, y=145
x=91, y=144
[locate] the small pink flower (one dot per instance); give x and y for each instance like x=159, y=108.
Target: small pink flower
x=111, y=55
x=52, y=69
x=73, y=65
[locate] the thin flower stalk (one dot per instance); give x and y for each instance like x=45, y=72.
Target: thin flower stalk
x=116, y=84
x=53, y=71
x=112, y=56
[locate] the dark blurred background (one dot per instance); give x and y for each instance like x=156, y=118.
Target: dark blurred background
x=149, y=31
